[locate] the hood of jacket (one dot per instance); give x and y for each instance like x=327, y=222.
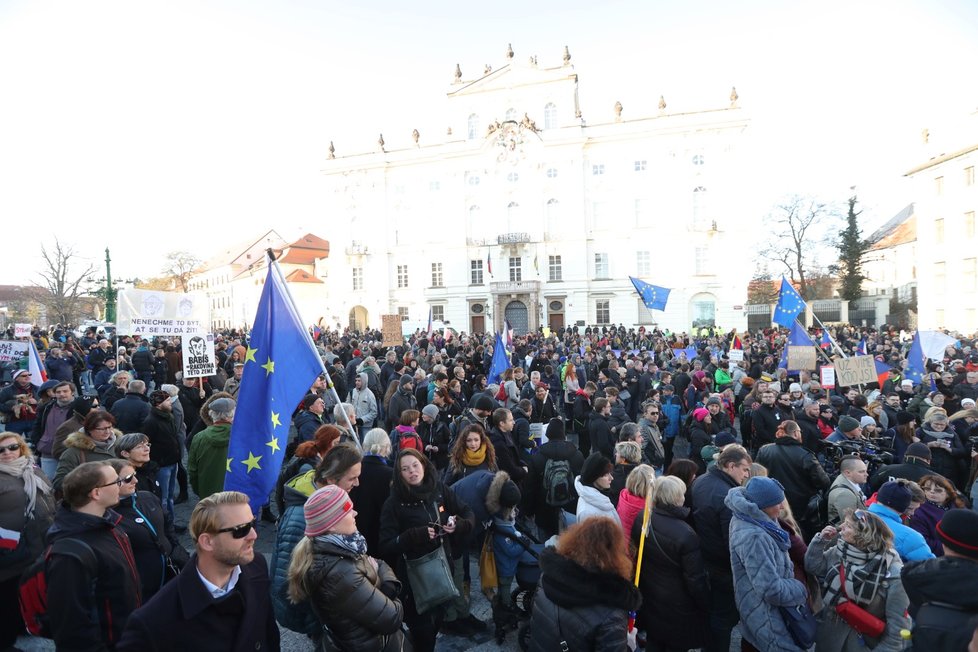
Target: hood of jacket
x=737, y=502
x=68, y=523
x=81, y=441
x=204, y=414
x=593, y=497
x=568, y=584
x=944, y=579
x=301, y=485
x=495, y=489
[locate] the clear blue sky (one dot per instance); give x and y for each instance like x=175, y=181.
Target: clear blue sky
x=155, y=126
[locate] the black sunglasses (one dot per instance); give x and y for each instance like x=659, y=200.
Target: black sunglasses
x=240, y=531
x=10, y=447
x=117, y=482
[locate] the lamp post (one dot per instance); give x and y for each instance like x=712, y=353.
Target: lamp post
x=108, y=290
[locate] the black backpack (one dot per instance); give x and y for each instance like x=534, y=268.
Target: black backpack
x=558, y=483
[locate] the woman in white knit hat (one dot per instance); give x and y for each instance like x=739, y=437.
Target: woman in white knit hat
x=352, y=594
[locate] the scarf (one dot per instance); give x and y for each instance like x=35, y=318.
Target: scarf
x=772, y=528
x=105, y=446
x=865, y=572
x=23, y=468
x=354, y=543
x=474, y=458
x=943, y=434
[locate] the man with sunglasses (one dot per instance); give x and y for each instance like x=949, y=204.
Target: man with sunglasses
x=222, y=599
x=91, y=574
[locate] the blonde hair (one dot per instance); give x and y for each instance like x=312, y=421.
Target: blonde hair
x=299, y=564
x=25, y=450
x=641, y=480
x=871, y=534
x=669, y=490
x=758, y=470
x=206, y=515
x=786, y=515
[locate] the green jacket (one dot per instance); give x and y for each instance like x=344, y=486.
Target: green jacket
x=208, y=459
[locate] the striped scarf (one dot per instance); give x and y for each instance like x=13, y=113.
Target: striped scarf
x=865, y=572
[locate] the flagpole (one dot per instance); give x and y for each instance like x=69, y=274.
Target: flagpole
x=312, y=346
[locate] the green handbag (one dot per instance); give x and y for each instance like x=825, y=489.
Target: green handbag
x=430, y=577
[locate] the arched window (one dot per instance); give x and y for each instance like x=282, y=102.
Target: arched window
x=511, y=114
x=550, y=116
x=552, y=215
x=473, y=127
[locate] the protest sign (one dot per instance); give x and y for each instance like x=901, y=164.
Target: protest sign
x=857, y=370
x=538, y=433
x=147, y=313
x=827, y=377
x=801, y=357
x=391, y=330
x=735, y=355
x=11, y=351
x=199, y=360
x=22, y=330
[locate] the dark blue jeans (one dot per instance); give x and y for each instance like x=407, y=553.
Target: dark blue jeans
x=723, y=612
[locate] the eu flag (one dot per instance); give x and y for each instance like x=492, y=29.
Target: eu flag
x=798, y=337
x=916, y=362
x=790, y=304
x=280, y=366
x=653, y=296
x=500, y=361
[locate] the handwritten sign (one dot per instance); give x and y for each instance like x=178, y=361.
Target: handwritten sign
x=857, y=370
x=735, y=355
x=11, y=351
x=391, y=330
x=827, y=377
x=22, y=330
x=801, y=357
x=199, y=360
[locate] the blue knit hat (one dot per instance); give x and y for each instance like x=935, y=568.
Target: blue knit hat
x=764, y=492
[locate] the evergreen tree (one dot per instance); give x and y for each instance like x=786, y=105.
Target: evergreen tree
x=851, y=248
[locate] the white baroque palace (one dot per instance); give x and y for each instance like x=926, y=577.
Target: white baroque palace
x=521, y=210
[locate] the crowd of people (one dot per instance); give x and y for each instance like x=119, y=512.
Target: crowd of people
x=611, y=489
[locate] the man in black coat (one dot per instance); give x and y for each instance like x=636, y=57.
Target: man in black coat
x=765, y=420
x=161, y=427
x=132, y=409
x=507, y=452
x=795, y=467
x=599, y=429
x=557, y=449
x=807, y=419
x=916, y=464
x=402, y=399
x=221, y=600
x=712, y=524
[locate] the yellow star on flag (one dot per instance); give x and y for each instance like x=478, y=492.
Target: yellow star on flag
x=252, y=462
x=275, y=420
x=229, y=465
x=273, y=445
x=250, y=355
x=269, y=367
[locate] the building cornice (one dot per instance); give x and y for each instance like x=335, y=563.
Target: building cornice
x=943, y=158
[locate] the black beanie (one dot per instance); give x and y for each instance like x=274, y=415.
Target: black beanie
x=904, y=417
x=555, y=429
x=82, y=406
x=510, y=495
x=958, y=530
x=595, y=466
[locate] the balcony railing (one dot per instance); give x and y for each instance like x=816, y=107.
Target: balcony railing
x=513, y=287
x=512, y=238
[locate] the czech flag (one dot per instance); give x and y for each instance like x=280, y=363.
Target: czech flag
x=861, y=347
x=39, y=375
x=489, y=263
x=826, y=342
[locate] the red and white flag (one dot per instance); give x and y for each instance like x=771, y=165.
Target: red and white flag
x=38, y=375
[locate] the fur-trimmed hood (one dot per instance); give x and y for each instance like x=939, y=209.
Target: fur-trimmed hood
x=492, y=496
x=82, y=441
x=204, y=415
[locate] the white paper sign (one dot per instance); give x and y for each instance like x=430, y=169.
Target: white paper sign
x=827, y=377
x=857, y=370
x=146, y=313
x=199, y=360
x=10, y=350
x=22, y=330
x=538, y=432
x=735, y=355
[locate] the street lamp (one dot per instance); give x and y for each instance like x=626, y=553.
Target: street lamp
x=108, y=291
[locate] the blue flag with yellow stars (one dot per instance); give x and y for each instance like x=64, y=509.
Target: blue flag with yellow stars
x=916, y=362
x=790, y=305
x=653, y=296
x=281, y=364
x=500, y=361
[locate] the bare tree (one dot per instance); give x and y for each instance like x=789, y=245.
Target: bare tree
x=64, y=285
x=798, y=227
x=180, y=266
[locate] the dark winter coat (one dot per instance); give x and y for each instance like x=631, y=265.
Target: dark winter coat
x=586, y=609
x=712, y=520
x=535, y=494
x=369, y=498
x=951, y=580
x=184, y=615
x=32, y=527
x=796, y=468
x=290, y=530
x=507, y=454
x=191, y=401
x=80, y=448
x=153, y=540
x=602, y=440
x=306, y=425
x=161, y=428
x=766, y=420
x=401, y=400
x=71, y=600
x=699, y=437
x=436, y=434
x=911, y=470
x=356, y=602
x=673, y=581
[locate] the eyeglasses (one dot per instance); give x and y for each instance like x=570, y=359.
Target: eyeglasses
x=10, y=448
x=117, y=482
x=129, y=479
x=653, y=413
x=239, y=531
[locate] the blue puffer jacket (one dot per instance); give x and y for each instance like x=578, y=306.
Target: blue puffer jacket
x=763, y=575
x=908, y=542
x=291, y=528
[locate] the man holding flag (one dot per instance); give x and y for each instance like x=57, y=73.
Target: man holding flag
x=281, y=364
